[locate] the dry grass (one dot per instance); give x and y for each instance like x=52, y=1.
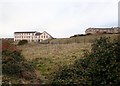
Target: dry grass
x=81, y=39
x=48, y=58
x=52, y=50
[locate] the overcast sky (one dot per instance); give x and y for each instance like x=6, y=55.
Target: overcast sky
x=60, y=18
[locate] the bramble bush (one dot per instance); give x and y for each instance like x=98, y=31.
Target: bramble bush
x=22, y=42
x=15, y=65
x=11, y=57
x=6, y=45
x=100, y=66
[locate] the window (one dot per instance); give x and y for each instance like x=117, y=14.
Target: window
x=46, y=36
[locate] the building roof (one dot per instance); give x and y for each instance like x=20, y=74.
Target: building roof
x=103, y=28
x=38, y=33
x=26, y=32
x=47, y=33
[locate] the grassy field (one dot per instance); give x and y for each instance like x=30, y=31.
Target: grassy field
x=48, y=58
x=80, y=39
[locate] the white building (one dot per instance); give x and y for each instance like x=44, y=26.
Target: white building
x=32, y=36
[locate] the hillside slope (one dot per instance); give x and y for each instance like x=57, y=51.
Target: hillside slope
x=79, y=39
x=55, y=53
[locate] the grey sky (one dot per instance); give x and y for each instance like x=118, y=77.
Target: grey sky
x=60, y=18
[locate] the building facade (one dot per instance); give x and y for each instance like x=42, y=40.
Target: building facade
x=32, y=36
x=114, y=30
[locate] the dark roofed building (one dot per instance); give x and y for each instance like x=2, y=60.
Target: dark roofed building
x=26, y=32
x=31, y=36
x=102, y=30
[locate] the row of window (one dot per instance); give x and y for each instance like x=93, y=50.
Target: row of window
x=41, y=37
x=30, y=37
x=103, y=30
x=24, y=34
x=17, y=40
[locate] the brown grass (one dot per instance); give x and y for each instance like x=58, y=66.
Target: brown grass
x=81, y=39
x=48, y=58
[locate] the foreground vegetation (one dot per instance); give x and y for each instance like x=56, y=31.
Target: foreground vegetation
x=49, y=58
x=79, y=39
x=15, y=68
x=76, y=60
x=100, y=66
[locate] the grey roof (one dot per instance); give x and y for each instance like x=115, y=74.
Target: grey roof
x=38, y=33
x=26, y=32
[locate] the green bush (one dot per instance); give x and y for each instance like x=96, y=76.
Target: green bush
x=100, y=66
x=22, y=42
x=14, y=66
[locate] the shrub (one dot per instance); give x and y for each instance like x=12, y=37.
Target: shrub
x=15, y=66
x=89, y=34
x=11, y=61
x=6, y=45
x=101, y=66
x=11, y=69
x=78, y=35
x=22, y=42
